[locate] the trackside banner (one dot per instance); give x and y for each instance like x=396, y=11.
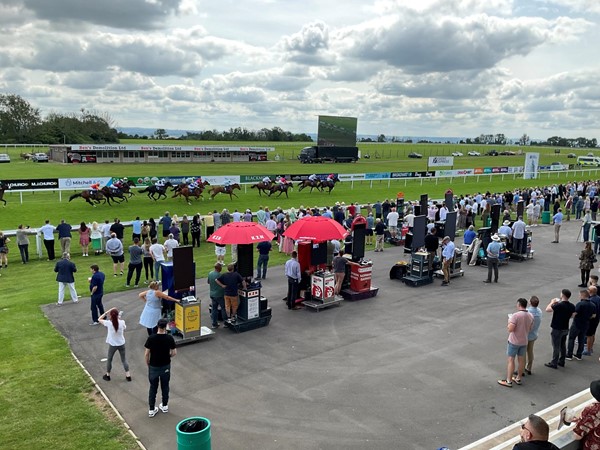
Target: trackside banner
x=23, y=185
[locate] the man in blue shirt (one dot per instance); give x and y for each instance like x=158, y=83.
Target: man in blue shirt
x=293, y=274
x=584, y=312
x=96, y=293
x=557, y=220
x=263, y=248
x=64, y=236
x=493, y=256
x=447, y=257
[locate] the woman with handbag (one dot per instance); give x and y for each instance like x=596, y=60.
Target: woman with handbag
x=586, y=263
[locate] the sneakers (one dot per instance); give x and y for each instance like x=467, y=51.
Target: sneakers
x=569, y=358
x=505, y=383
x=552, y=366
x=152, y=412
x=106, y=377
x=577, y=358
x=94, y=323
x=164, y=409
x=586, y=353
x=214, y=327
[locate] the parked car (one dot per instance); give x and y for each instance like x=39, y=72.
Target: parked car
x=415, y=155
x=457, y=154
x=492, y=153
x=4, y=158
x=571, y=155
x=474, y=153
x=39, y=157
x=507, y=153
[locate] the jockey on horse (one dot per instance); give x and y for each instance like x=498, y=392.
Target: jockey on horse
x=267, y=182
x=282, y=183
x=94, y=188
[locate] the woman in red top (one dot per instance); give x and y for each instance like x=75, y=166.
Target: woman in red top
x=84, y=238
x=588, y=425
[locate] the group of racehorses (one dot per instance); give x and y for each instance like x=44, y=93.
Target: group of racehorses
x=120, y=194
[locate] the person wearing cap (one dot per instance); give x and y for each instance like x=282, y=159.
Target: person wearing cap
x=447, y=257
x=493, y=257
x=557, y=221
x=588, y=426
x=159, y=349
x=534, y=435
x=65, y=269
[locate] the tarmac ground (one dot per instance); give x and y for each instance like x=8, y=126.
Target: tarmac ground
x=412, y=368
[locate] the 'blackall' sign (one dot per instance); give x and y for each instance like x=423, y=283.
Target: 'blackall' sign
x=440, y=161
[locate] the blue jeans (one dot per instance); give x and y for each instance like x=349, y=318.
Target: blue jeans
x=97, y=307
x=156, y=375
x=263, y=261
x=157, y=270
x=586, y=232
x=576, y=333
x=214, y=314
x=597, y=243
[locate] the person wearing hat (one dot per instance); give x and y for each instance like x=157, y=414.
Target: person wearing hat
x=505, y=229
x=493, y=257
x=447, y=257
x=534, y=435
x=588, y=428
x=160, y=348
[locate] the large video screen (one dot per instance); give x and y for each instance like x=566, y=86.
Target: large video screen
x=337, y=131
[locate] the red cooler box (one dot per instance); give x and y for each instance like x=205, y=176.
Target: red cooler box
x=360, y=277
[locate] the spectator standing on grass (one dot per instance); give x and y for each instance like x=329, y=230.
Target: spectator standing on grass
x=148, y=261
x=519, y=326
x=185, y=229
x=96, y=238
x=118, y=228
x=136, y=229
x=105, y=233
x=23, y=243
x=165, y=221
x=114, y=248
x=216, y=219
x=135, y=262
x=160, y=348
x=158, y=255
x=96, y=293
x=64, y=236
x=169, y=245
x=174, y=231
x=65, y=270
x=84, y=238
x=47, y=231
x=196, y=229
x=115, y=326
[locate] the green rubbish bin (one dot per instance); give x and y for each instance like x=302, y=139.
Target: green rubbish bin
x=546, y=217
x=193, y=433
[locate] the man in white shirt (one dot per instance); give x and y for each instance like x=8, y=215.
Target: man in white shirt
x=518, y=229
x=392, y=220
x=47, y=231
x=237, y=216
x=443, y=212
x=169, y=245
x=158, y=255
x=271, y=225
x=410, y=219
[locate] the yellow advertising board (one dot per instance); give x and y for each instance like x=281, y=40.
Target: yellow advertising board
x=187, y=317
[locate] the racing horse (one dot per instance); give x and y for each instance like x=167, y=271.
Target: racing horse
x=126, y=188
x=3, y=187
x=88, y=196
x=309, y=183
x=154, y=190
x=262, y=187
x=186, y=192
x=223, y=190
x=281, y=188
x=115, y=195
x=329, y=184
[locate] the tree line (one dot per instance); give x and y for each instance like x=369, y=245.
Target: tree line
x=21, y=123
x=274, y=134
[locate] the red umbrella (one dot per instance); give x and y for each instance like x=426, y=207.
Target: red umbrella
x=315, y=228
x=240, y=233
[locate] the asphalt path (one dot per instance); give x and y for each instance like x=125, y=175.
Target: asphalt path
x=412, y=368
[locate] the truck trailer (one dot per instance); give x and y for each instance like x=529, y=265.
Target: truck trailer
x=319, y=154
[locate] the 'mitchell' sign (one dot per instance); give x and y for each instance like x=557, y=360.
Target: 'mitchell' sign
x=440, y=161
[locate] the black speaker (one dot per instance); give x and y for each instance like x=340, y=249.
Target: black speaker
x=419, y=232
x=485, y=234
x=450, y=228
x=417, y=210
x=318, y=255
x=449, y=201
x=184, y=269
x=424, y=203
x=495, y=218
x=245, y=261
x=400, y=208
x=520, y=208
x=358, y=242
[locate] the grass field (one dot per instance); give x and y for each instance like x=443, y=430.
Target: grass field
x=49, y=403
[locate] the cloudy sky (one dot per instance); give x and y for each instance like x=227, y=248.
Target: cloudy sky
x=403, y=67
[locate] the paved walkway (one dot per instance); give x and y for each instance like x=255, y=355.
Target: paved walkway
x=413, y=368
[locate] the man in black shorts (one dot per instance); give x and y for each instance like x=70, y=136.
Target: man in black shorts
x=114, y=248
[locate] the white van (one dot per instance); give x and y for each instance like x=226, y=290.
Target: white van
x=588, y=160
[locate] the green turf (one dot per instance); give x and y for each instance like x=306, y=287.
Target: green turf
x=45, y=393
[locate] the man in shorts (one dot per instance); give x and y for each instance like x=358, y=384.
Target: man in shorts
x=392, y=221
x=230, y=282
x=519, y=326
x=114, y=248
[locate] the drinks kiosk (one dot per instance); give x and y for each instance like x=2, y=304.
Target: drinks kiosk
x=253, y=310
x=187, y=327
